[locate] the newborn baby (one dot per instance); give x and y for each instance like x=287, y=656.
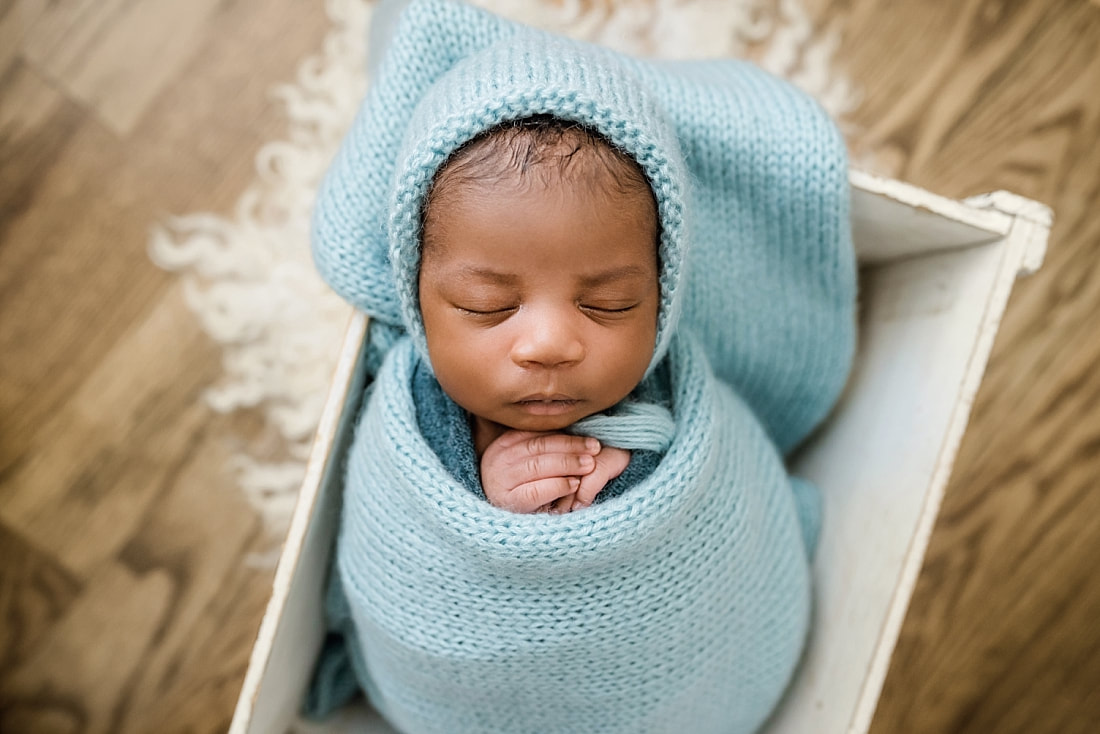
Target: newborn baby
x=539, y=293
x=607, y=296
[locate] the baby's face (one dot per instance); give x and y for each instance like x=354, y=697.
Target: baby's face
x=539, y=302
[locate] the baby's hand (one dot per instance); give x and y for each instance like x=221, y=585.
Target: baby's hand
x=522, y=471
x=610, y=463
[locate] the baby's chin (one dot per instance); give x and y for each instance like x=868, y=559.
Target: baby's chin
x=541, y=424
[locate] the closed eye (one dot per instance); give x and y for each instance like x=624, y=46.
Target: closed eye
x=609, y=309
x=486, y=312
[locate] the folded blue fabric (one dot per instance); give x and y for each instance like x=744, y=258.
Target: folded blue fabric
x=680, y=606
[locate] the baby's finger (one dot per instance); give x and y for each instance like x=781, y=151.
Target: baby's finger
x=512, y=438
x=559, y=443
x=562, y=505
x=610, y=463
x=533, y=495
x=549, y=442
x=523, y=469
x=590, y=486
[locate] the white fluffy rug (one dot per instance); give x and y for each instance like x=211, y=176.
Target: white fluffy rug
x=249, y=278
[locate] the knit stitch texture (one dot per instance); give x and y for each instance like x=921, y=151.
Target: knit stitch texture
x=749, y=173
x=681, y=605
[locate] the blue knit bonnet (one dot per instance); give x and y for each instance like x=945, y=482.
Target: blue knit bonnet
x=510, y=81
x=746, y=167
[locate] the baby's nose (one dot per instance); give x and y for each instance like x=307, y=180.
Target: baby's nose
x=547, y=340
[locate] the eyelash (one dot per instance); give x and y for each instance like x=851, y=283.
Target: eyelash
x=597, y=309
x=510, y=309
x=494, y=312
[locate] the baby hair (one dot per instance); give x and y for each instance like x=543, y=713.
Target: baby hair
x=539, y=150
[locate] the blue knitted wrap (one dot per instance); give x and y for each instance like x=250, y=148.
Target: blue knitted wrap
x=682, y=604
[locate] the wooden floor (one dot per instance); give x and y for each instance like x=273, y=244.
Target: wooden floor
x=125, y=605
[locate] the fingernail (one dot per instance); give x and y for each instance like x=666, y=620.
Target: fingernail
x=574, y=483
x=587, y=462
x=591, y=444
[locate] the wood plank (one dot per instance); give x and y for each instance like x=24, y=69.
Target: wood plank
x=93, y=199
x=35, y=592
x=36, y=124
x=197, y=534
x=76, y=277
x=104, y=455
x=16, y=16
x=110, y=464
x=119, y=613
x=117, y=55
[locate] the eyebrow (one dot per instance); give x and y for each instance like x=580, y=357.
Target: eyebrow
x=625, y=272
x=472, y=272
x=477, y=272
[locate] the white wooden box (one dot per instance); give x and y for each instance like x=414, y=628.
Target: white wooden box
x=935, y=277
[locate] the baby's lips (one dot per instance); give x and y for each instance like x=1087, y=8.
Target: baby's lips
x=547, y=397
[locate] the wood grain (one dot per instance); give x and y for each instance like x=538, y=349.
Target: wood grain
x=125, y=602
x=116, y=55
x=1002, y=634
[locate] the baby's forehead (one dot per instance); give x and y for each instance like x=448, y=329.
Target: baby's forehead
x=540, y=151
x=547, y=162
